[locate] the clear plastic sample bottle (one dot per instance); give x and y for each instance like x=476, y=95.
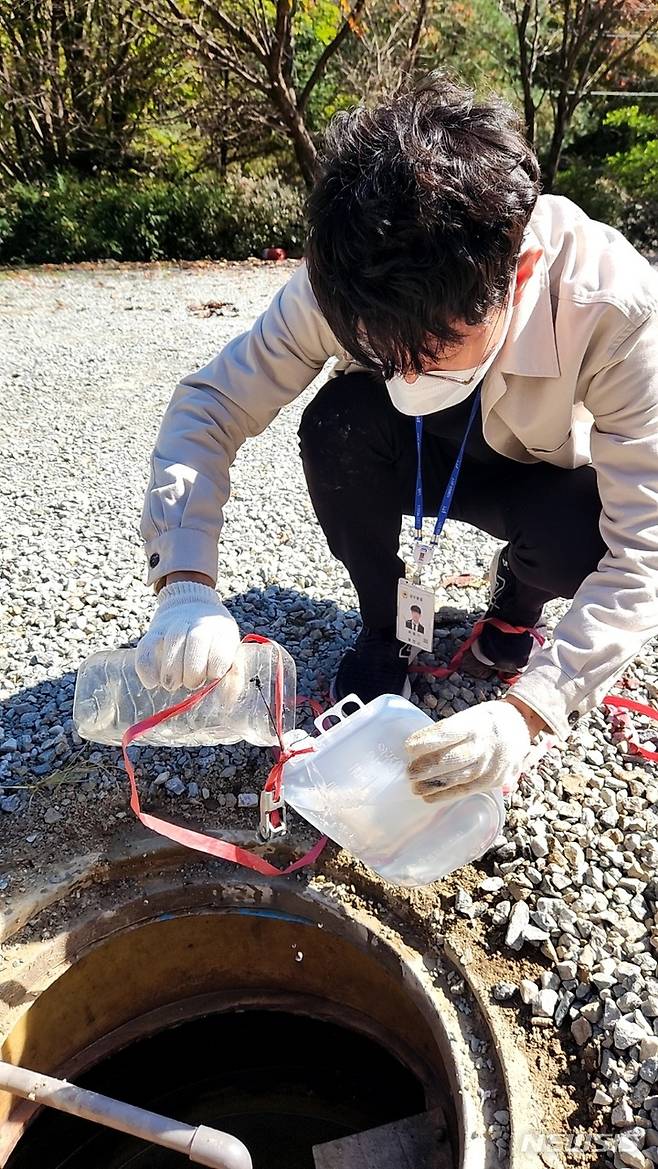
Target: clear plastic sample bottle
x=109, y=698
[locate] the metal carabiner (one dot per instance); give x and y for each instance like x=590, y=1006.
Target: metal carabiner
x=269, y=804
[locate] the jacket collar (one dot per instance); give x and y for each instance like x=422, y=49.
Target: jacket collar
x=530, y=349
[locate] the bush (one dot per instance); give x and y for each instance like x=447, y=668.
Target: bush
x=621, y=189
x=198, y=217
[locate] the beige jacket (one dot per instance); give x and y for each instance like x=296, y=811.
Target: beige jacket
x=576, y=381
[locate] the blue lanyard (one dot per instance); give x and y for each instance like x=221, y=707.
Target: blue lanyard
x=452, y=481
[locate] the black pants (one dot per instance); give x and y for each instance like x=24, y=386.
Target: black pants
x=359, y=456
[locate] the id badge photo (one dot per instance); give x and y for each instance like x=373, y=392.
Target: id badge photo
x=415, y=618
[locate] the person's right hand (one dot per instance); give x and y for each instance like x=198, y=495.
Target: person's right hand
x=191, y=639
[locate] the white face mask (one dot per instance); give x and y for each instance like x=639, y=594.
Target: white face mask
x=437, y=391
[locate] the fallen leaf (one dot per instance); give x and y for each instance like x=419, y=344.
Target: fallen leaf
x=213, y=308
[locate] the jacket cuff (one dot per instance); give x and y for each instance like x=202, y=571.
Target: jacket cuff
x=557, y=698
x=181, y=550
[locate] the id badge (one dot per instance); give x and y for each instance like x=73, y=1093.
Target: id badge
x=415, y=621
x=423, y=553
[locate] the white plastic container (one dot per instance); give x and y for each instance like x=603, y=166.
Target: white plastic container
x=109, y=698
x=354, y=788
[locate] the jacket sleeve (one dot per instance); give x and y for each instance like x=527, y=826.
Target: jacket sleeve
x=615, y=610
x=212, y=411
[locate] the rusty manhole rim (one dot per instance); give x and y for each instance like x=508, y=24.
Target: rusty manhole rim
x=226, y=892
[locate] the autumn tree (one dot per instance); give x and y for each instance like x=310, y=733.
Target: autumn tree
x=565, y=50
x=254, y=45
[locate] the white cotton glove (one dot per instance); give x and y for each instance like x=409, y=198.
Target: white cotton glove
x=478, y=749
x=192, y=639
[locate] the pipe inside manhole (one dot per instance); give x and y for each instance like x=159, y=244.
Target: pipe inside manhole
x=264, y=1013
x=281, y=1083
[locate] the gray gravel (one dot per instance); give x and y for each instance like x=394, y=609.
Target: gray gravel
x=89, y=360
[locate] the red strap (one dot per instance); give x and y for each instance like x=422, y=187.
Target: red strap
x=231, y=852
x=455, y=661
x=613, y=700
x=199, y=840
x=620, y=703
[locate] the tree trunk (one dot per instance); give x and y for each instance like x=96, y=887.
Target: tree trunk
x=552, y=163
x=526, y=70
x=303, y=145
x=305, y=151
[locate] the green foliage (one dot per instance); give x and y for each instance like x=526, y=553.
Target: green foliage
x=639, y=125
x=149, y=219
x=636, y=167
x=621, y=188
x=78, y=82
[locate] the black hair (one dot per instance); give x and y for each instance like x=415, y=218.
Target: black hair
x=416, y=220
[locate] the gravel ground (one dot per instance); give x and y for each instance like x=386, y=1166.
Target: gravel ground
x=90, y=358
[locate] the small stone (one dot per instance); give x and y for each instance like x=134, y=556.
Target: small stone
x=519, y=887
x=636, y=1133
x=502, y=1117
x=595, y=757
x=622, y=1115
x=565, y=999
x=193, y=790
x=649, y=1070
x=175, y=786
x=545, y=921
x=602, y=981
x=529, y=991
x=501, y=913
x=545, y=1003
x=503, y=991
x=611, y=1013
x=581, y=1030
x=566, y=970
x=628, y=1152
x=627, y=1033
x=602, y=1098
x=587, y=958
x=535, y=935
x=491, y=884
x=639, y=1093
x=464, y=903
x=518, y=923
x=592, y=1011
x=539, y=846
x=550, y=980
x=248, y=800
x=52, y=816
x=10, y=803
x=649, y=1047
x=629, y=1002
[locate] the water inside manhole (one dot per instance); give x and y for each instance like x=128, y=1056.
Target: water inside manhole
x=280, y=1082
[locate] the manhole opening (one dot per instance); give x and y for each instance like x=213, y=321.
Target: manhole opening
x=280, y=1082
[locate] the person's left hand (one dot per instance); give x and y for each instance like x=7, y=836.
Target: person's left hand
x=478, y=749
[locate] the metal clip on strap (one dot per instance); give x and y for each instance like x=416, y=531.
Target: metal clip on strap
x=269, y=804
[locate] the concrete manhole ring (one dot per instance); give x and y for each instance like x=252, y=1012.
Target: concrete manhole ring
x=124, y=946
